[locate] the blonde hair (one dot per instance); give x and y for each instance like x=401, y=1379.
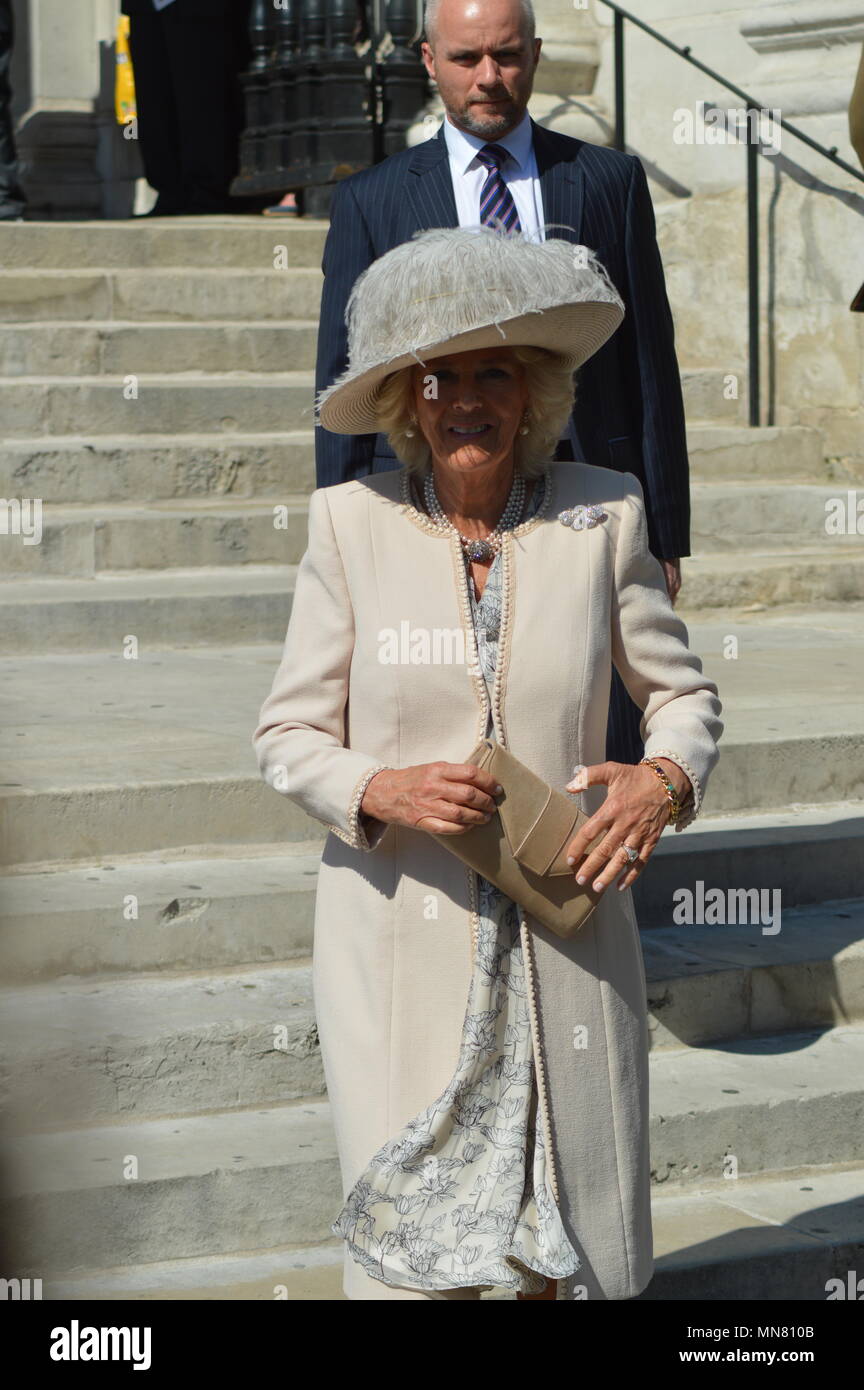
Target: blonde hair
x=549, y=382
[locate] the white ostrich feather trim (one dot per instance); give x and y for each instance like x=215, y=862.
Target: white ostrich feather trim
x=451, y=280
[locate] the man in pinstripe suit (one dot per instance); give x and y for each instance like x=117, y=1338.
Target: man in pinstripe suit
x=628, y=412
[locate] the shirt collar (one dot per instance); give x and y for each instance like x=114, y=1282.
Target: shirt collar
x=462, y=147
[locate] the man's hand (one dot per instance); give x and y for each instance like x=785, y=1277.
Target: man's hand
x=672, y=571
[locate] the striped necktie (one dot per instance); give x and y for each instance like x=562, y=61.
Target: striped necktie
x=496, y=201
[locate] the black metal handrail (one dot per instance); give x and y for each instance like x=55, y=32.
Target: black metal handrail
x=753, y=152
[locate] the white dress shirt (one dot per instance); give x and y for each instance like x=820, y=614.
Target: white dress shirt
x=519, y=174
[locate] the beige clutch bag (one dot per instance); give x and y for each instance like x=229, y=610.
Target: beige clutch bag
x=522, y=849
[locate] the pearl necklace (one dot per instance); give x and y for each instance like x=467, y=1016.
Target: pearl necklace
x=473, y=546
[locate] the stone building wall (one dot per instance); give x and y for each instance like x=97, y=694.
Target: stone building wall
x=799, y=56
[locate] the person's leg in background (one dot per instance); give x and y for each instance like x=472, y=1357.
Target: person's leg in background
x=12, y=197
x=205, y=59
x=158, y=127
x=623, y=740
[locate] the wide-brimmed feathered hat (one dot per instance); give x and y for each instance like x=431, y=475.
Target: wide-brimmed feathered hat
x=454, y=289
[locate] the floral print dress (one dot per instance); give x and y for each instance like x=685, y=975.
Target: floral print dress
x=459, y=1197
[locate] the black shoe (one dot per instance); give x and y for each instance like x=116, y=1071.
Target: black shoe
x=166, y=205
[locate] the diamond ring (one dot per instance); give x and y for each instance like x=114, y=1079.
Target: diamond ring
x=632, y=854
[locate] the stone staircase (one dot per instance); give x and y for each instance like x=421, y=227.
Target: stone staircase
x=167, y=1131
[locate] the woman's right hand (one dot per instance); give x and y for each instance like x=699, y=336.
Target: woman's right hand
x=446, y=798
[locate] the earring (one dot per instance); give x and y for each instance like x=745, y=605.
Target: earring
x=410, y=433
x=523, y=428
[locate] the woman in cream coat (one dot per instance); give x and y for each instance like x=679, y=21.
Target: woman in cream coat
x=372, y=747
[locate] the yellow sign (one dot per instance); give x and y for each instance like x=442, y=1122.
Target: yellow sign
x=124, y=82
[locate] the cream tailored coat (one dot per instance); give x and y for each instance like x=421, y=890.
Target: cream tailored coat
x=395, y=909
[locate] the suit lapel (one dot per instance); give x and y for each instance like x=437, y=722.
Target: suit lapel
x=561, y=184
x=429, y=185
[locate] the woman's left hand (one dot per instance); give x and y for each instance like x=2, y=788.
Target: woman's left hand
x=634, y=814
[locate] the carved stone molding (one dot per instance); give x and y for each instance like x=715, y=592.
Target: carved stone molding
x=807, y=56
x=805, y=24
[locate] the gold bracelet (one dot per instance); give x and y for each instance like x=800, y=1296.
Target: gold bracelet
x=670, y=790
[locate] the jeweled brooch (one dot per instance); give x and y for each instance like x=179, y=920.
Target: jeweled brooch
x=582, y=518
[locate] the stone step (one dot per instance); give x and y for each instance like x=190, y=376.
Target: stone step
x=720, y=453
x=183, y=1043
x=108, y=468
x=217, y=243
x=64, y=349
x=189, y=294
x=761, y=1103
x=158, y=762
x=749, y=517
x=144, y=816
x=194, y=607
x=161, y=1044
x=789, y=677
x=199, y=913
x=135, y=298
x=149, y=466
x=80, y=540
x=206, y=606
x=706, y=395
x=715, y=984
x=769, y=1238
x=294, y=1273
x=240, y=907
x=799, y=575
x=793, y=1238
x=202, y=1185
x=806, y=853
x=104, y=469
x=196, y=401
x=75, y=380
x=219, y=909
x=759, y=1106
x=67, y=349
